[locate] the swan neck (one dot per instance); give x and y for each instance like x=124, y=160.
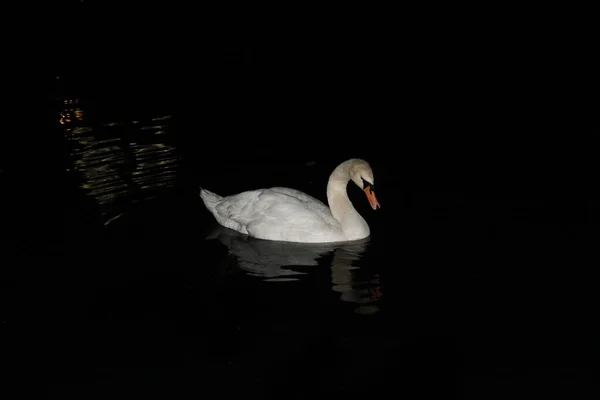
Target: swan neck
x=338, y=200
x=352, y=223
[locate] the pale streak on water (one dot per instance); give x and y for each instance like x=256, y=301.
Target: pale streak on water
x=115, y=170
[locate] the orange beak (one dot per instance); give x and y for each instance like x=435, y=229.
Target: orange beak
x=371, y=197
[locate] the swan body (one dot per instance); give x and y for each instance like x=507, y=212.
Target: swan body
x=289, y=215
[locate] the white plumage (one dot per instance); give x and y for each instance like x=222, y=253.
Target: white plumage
x=285, y=214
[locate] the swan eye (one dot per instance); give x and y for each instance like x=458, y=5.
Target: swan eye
x=367, y=183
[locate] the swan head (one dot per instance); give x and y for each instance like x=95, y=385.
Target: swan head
x=362, y=175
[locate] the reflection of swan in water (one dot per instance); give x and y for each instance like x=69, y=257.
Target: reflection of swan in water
x=269, y=259
x=345, y=281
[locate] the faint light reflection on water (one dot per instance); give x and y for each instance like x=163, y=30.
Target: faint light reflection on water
x=119, y=163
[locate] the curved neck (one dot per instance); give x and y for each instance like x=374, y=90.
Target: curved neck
x=352, y=223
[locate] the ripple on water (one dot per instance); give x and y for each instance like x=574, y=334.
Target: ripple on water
x=119, y=162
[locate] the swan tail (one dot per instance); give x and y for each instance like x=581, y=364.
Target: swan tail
x=209, y=198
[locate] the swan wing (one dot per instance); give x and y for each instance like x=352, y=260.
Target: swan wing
x=278, y=214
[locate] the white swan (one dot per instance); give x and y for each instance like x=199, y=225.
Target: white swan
x=289, y=215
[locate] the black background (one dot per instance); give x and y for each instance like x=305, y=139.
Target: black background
x=475, y=125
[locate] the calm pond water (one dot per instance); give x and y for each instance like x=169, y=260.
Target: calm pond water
x=454, y=294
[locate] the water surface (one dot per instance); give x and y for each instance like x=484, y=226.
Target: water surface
x=157, y=298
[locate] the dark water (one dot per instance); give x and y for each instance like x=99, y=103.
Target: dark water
x=477, y=282
x=455, y=293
